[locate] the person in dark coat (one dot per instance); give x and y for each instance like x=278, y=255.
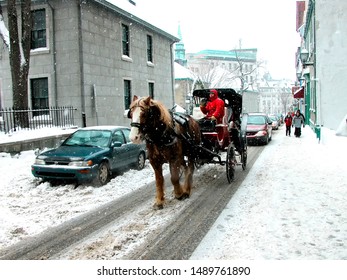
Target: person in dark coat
x=288, y=121
x=301, y=114
x=298, y=121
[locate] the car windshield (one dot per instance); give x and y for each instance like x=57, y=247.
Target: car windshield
x=99, y=138
x=255, y=120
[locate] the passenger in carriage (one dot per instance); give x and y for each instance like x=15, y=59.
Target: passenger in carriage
x=214, y=107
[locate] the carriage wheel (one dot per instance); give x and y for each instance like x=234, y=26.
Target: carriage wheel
x=244, y=159
x=230, y=163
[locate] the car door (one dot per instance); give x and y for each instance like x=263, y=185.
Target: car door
x=269, y=127
x=120, y=154
x=133, y=149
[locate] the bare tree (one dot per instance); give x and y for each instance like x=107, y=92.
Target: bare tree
x=19, y=52
x=286, y=98
x=241, y=72
x=219, y=76
x=4, y=35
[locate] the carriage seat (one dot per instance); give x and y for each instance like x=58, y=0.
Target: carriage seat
x=207, y=125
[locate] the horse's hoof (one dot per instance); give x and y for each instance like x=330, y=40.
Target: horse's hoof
x=158, y=207
x=183, y=196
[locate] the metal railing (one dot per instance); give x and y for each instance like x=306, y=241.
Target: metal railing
x=29, y=119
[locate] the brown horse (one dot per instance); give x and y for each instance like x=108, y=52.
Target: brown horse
x=169, y=138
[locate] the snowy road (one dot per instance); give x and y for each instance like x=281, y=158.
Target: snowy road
x=129, y=228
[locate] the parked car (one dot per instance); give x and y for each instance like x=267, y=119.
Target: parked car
x=275, y=122
x=281, y=118
x=90, y=154
x=259, y=128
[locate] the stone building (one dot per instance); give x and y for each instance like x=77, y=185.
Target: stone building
x=94, y=56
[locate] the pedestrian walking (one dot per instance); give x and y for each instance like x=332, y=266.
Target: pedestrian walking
x=298, y=121
x=288, y=121
x=301, y=114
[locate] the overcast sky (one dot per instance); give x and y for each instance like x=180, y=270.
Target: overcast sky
x=268, y=25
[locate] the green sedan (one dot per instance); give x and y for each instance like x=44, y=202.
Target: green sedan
x=90, y=154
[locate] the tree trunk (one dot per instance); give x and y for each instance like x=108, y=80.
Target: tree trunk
x=20, y=55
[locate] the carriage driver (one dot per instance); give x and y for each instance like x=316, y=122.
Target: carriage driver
x=214, y=109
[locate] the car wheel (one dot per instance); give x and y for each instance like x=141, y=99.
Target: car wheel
x=141, y=160
x=103, y=174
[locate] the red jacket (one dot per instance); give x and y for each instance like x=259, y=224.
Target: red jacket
x=288, y=120
x=215, y=107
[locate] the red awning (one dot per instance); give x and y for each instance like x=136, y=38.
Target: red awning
x=299, y=93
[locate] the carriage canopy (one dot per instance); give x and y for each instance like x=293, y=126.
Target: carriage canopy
x=231, y=98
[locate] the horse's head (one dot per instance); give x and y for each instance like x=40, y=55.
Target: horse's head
x=135, y=112
x=145, y=114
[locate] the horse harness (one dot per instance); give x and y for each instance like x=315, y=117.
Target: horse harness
x=162, y=135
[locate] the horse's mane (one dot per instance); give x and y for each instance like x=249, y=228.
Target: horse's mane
x=163, y=113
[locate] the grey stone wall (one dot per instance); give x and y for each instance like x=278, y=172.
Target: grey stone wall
x=84, y=58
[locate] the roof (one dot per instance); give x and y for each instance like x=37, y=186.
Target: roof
x=183, y=73
x=243, y=54
x=103, y=127
x=126, y=9
x=130, y=11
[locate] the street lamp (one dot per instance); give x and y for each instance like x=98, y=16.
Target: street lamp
x=304, y=57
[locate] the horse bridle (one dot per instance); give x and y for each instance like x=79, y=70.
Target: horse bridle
x=136, y=124
x=166, y=139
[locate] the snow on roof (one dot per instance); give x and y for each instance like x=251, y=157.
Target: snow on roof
x=183, y=72
x=139, y=13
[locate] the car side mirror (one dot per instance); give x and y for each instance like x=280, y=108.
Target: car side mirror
x=116, y=144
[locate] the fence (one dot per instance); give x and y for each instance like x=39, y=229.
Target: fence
x=14, y=120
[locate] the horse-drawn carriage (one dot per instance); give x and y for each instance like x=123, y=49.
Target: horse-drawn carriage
x=182, y=141
x=228, y=136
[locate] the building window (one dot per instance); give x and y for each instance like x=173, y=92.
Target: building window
x=39, y=94
x=38, y=33
x=151, y=90
x=125, y=40
x=149, y=48
x=127, y=94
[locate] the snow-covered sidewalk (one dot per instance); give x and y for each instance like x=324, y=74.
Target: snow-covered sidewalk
x=291, y=206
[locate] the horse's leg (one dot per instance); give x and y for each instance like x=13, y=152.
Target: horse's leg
x=188, y=177
x=159, y=183
x=175, y=169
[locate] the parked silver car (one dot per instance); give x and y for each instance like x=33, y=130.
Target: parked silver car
x=275, y=122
